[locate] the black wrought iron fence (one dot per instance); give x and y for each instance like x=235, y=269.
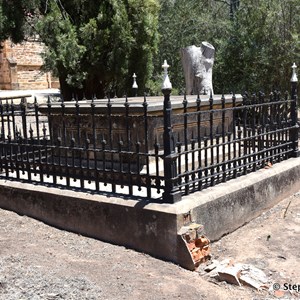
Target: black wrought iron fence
x=159, y=148
x=261, y=131
x=93, y=145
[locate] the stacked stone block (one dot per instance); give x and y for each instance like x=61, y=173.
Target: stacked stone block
x=21, y=67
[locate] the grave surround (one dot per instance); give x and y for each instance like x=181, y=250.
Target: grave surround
x=136, y=120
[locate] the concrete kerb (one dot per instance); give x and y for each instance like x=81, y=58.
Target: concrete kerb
x=152, y=227
x=147, y=228
x=228, y=206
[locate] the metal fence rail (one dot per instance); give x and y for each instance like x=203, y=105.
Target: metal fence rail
x=74, y=149
x=145, y=147
x=262, y=133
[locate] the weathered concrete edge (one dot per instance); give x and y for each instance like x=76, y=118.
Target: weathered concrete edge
x=228, y=206
x=151, y=227
x=133, y=224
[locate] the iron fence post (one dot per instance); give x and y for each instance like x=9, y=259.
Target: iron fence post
x=171, y=192
x=294, y=112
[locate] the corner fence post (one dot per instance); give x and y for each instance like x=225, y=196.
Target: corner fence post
x=294, y=112
x=171, y=192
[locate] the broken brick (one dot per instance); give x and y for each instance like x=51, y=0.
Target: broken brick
x=198, y=246
x=202, y=242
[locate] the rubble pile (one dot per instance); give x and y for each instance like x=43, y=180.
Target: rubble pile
x=238, y=274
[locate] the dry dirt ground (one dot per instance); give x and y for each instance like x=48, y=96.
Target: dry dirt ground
x=41, y=262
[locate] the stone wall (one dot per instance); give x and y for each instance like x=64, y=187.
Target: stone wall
x=20, y=67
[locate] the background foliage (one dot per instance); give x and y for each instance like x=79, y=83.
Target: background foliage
x=94, y=47
x=256, y=41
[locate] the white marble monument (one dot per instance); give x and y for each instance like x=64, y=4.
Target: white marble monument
x=197, y=65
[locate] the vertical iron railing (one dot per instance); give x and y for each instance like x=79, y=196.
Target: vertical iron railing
x=261, y=131
x=171, y=193
x=83, y=145
x=294, y=111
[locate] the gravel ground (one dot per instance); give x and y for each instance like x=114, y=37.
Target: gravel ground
x=41, y=262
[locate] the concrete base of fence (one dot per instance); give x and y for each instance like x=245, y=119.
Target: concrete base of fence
x=152, y=227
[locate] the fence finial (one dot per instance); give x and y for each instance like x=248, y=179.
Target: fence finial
x=134, y=85
x=294, y=75
x=167, y=85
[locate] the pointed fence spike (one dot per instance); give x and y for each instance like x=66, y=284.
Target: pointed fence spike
x=17, y=131
x=184, y=102
x=211, y=100
x=286, y=95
